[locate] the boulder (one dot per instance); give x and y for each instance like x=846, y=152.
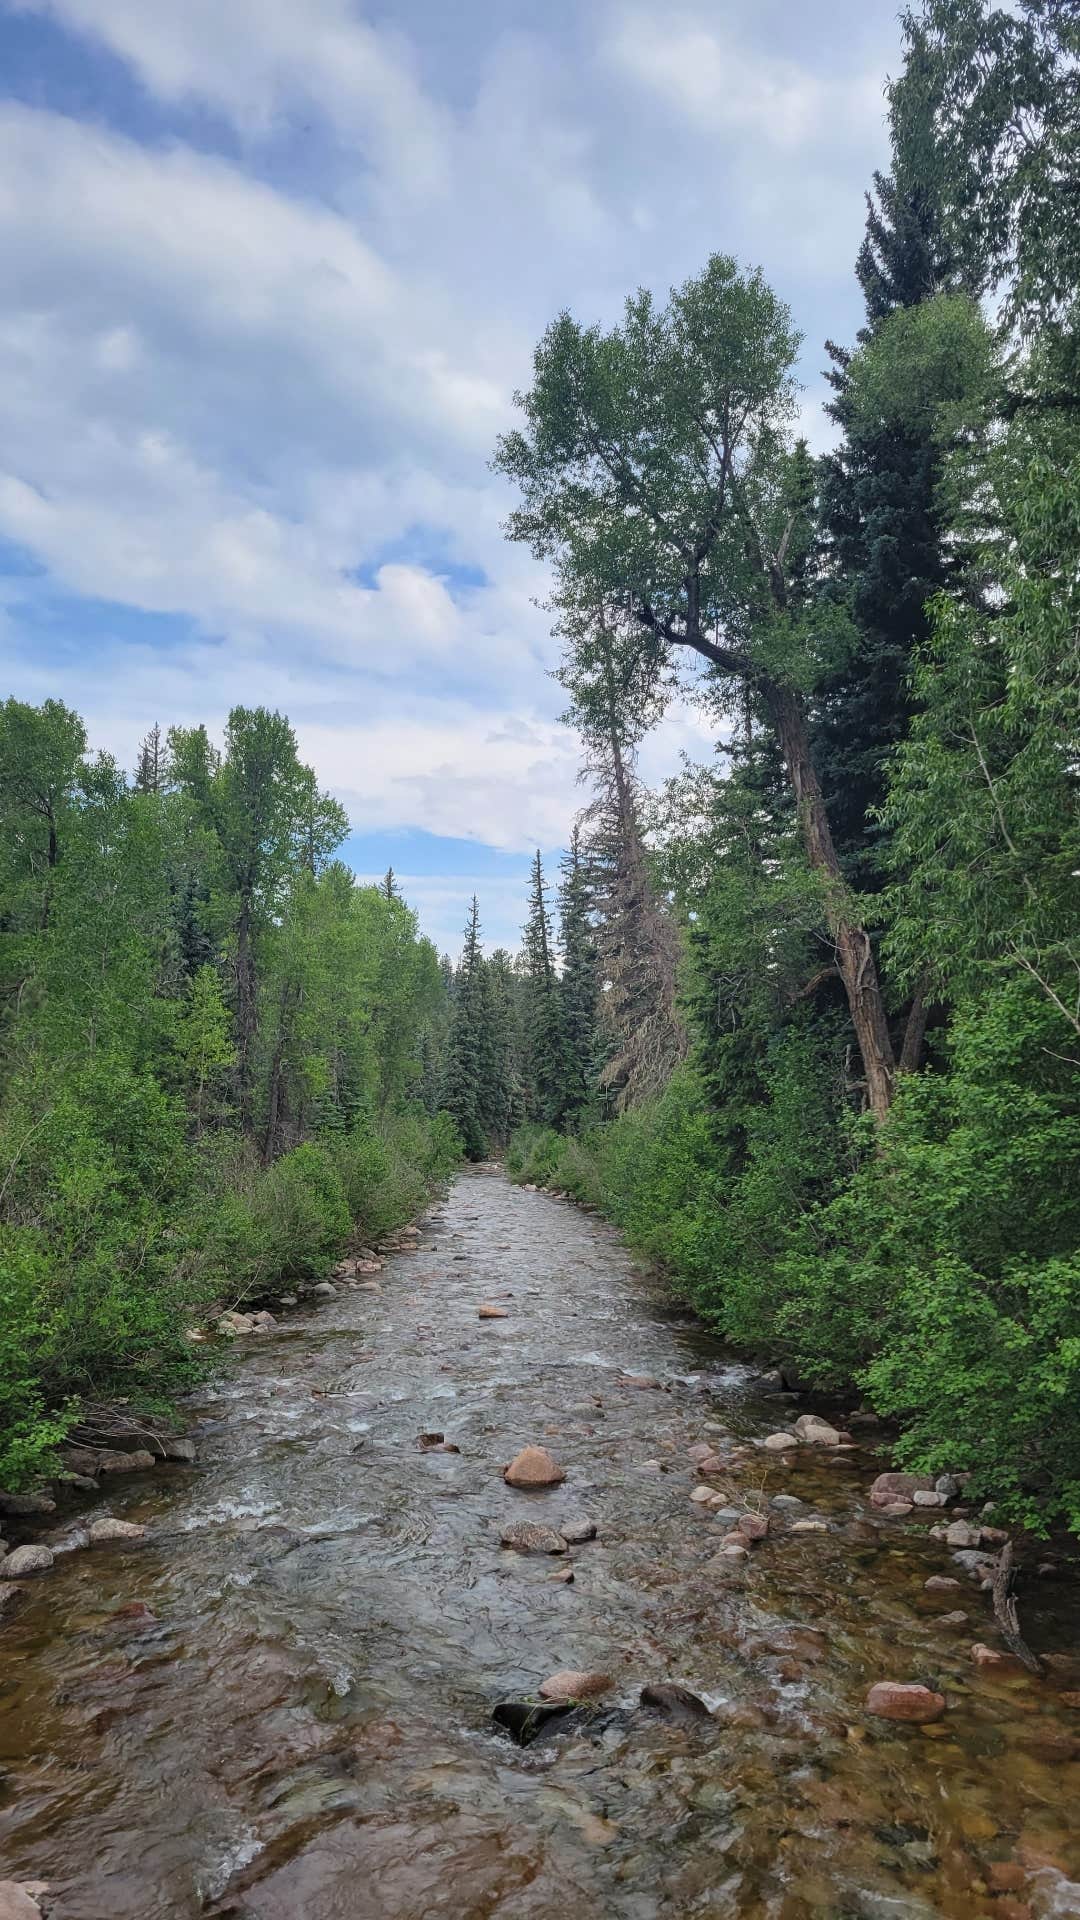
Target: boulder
x=779, y=1442
x=753, y=1525
x=182, y=1451
x=897, y=1700
x=16, y=1903
x=674, y=1702
x=488, y=1311
x=524, y=1536
x=899, y=1486
x=24, y=1561
x=100, y=1532
x=533, y=1467
x=962, y=1534
x=813, y=1431
x=27, y=1503
x=576, y=1532
x=575, y=1685
x=115, y=1460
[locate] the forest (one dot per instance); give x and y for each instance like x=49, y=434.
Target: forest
x=805, y=1022
x=815, y=1040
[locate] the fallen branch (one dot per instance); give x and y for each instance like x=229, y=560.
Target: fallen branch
x=1006, y=1614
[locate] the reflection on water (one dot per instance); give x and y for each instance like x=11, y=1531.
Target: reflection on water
x=303, y=1726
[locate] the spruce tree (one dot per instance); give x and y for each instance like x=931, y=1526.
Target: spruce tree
x=547, y=1070
x=463, y=1094
x=580, y=986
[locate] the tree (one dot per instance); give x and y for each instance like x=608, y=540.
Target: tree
x=462, y=1094
x=41, y=751
x=152, y=768
x=268, y=820
x=580, y=984
x=547, y=1064
x=655, y=473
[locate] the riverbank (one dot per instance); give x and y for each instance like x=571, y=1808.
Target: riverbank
x=283, y=1691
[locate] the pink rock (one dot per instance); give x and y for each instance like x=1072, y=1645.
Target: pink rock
x=898, y=1486
x=985, y=1656
x=572, y=1685
x=490, y=1312
x=897, y=1700
x=778, y=1442
x=897, y=1508
x=533, y=1467
x=701, y=1450
x=941, y=1583
x=754, y=1526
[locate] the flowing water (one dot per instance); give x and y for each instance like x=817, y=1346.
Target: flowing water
x=305, y=1728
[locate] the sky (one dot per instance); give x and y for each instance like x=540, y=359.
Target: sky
x=273, y=270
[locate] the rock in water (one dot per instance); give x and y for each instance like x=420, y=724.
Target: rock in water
x=15, y=1902
x=24, y=1561
x=100, y=1532
x=533, y=1467
x=576, y=1532
x=524, y=1719
x=489, y=1311
x=813, y=1431
x=898, y=1486
x=524, y=1536
x=575, y=1685
x=896, y=1700
x=674, y=1702
x=779, y=1442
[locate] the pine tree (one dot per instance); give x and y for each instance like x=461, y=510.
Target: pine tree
x=152, y=769
x=580, y=984
x=547, y=1070
x=390, y=885
x=462, y=1093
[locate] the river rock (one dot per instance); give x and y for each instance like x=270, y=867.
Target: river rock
x=523, y=1720
x=576, y=1532
x=24, y=1561
x=941, y=1583
x=993, y=1658
x=701, y=1494
x=27, y=1503
x=956, y=1619
x=962, y=1534
x=786, y=1502
x=981, y=1565
x=674, y=1702
x=897, y=1700
x=889, y=1487
x=525, y=1536
x=643, y=1381
x=574, y=1685
x=324, y=1290
x=533, y=1467
x=262, y=1321
x=10, y=1592
x=735, y=1548
x=754, y=1525
x=489, y=1311
x=947, y=1485
x=728, y=1516
x=779, y=1442
x=100, y=1532
x=813, y=1431
x=182, y=1451
x=701, y=1450
x=16, y=1903
x=809, y=1526
x=233, y=1323
x=115, y=1460
x=924, y=1499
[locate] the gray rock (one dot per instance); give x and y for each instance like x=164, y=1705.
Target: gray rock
x=924, y=1499
x=674, y=1702
x=961, y=1534
x=813, y=1431
x=728, y=1516
x=527, y=1536
x=24, y=1561
x=785, y=1501
x=288, y=1300
x=100, y=1532
x=576, y=1532
x=324, y=1290
x=182, y=1450
x=972, y=1561
x=948, y=1485
x=27, y=1503
x=779, y=1442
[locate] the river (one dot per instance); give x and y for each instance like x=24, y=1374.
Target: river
x=303, y=1728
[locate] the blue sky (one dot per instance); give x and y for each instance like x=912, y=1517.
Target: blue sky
x=273, y=269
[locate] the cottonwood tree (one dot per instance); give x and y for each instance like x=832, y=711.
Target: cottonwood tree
x=656, y=473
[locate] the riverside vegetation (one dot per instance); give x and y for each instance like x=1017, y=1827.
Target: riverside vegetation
x=847, y=1117
x=219, y=1057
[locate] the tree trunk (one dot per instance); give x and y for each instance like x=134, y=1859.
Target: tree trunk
x=853, y=951
x=914, y=1034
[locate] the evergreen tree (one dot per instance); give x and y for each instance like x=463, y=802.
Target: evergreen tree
x=152, y=768
x=463, y=1089
x=547, y=1065
x=580, y=980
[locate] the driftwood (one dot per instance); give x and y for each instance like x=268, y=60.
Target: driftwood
x=1006, y=1614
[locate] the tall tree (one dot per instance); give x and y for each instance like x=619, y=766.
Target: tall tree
x=580, y=986
x=547, y=1067
x=463, y=1091
x=654, y=472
